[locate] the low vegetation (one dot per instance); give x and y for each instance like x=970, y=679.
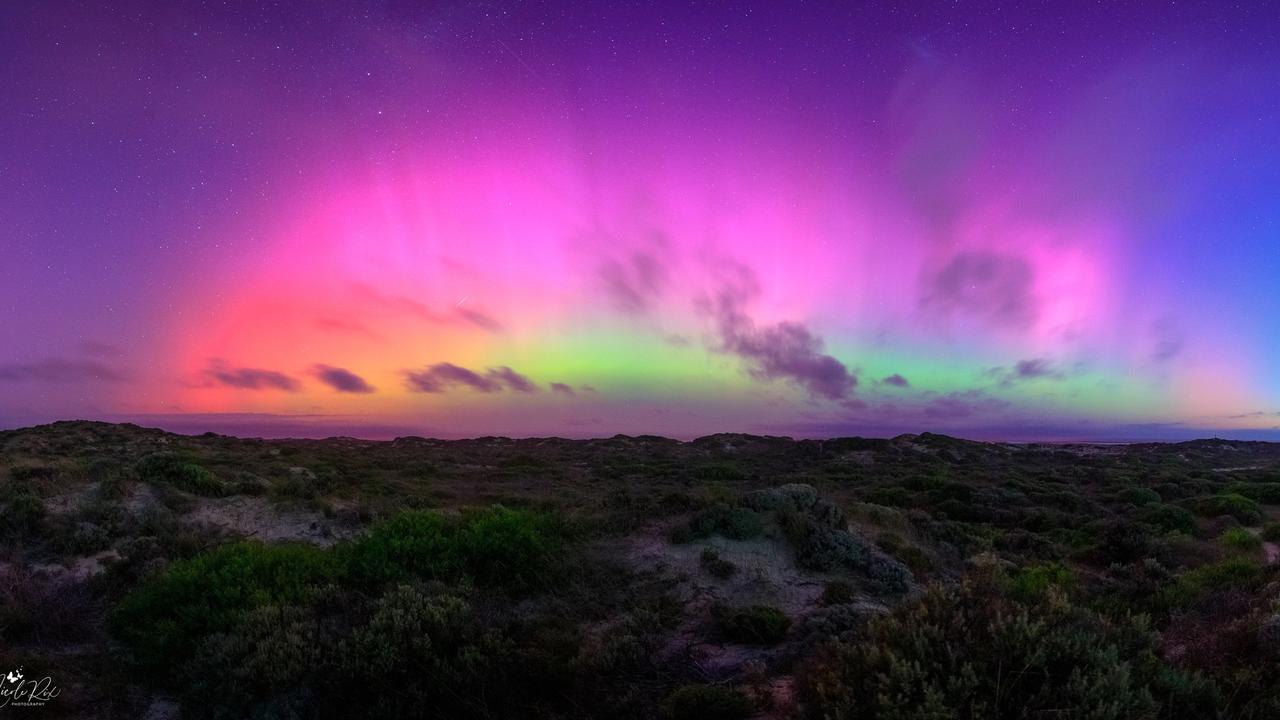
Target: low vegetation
x=155, y=575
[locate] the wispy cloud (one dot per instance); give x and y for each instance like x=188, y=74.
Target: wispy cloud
x=782, y=351
x=1029, y=369
x=990, y=287
x=634, y=282
x=60, y=370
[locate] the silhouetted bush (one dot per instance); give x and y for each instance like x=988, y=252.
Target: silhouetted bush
x=1271, y=531
x=715, y=565
x=706, y=702
x=837, y=592
x=20, y=514
x=754, y=625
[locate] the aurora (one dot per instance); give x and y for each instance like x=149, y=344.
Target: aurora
x=583, y=219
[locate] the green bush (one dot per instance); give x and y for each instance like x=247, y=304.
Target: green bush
x=181, y=473
x=735, y=523
x=973, y=652
x=1237, y=506
x=411, y=652
x=1232, y=573
x=165, y=617
x=1267, y=493
x=1238, y=538
x=1169, y=518
x=822, y=548
x=495, y=546
x=1138, y=496
x=754, y=625
x=1034, y=581
x=911, y=555
x=706, y=702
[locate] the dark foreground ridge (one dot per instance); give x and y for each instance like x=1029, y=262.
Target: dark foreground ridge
x=151, y=574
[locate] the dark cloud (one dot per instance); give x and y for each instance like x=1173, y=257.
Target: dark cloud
x=634, y=282
x=444, y=376
x=783, y=351
x=1030, y=369
x=512, y=379
x=441, y=376
x=987, y=286
x=59, y=370
x=896, y=380
x=1035, y=368
x=250, y=378
x=341, y=379
x=562, y=389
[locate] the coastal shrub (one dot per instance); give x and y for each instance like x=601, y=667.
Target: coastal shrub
x=1271, y=531
x=181, y=473
x=911, y=555
x=414, y=651
x=1168, y=518
x=1237, y=506
x=1267, y=493
x=754, y=625
x=496, y=546
x=973, y=652
x=717, y=566
x=1139, y=496
x=837, y=592
x=1238, y=538
x=20, y=514
x=706, y=702
x=1034, y=581
x=733, y=522
x=165, y=617
x=793, y=496
x=819, y=547
x=1237, y=573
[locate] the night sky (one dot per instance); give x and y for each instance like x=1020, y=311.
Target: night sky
x=1013, y=220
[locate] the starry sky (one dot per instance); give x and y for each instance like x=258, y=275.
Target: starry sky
x=1022, y=221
